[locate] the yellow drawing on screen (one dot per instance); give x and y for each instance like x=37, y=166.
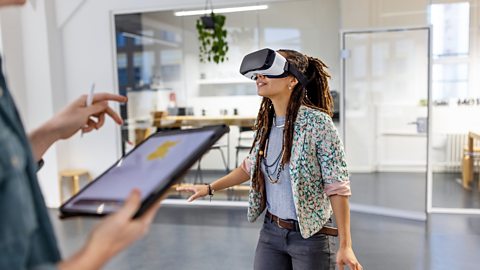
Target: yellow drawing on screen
x=162, y=150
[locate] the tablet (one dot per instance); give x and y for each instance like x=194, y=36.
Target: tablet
x=152, y=167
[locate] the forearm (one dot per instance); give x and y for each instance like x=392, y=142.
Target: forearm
x=41, y=139
x=84, y=259
x=341, y=210
x=235, y=177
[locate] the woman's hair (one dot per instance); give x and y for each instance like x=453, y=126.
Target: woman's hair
x=315, y=95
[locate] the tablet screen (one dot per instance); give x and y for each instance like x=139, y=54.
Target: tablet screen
x=149, y=168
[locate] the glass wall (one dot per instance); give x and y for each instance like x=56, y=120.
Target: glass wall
x=385, y=109
x=386, y=115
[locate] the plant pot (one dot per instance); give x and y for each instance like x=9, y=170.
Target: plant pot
x=208, y=22
x=212, y=38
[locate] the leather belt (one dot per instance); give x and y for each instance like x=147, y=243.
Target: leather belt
x=293, y=225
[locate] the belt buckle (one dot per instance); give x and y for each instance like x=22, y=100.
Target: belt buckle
x=278, y=223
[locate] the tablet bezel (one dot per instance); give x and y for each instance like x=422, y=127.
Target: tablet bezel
x=219, y=131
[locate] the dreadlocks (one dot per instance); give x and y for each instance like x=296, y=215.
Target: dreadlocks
x=316, y=95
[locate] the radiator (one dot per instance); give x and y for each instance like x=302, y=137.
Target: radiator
x=455, y=145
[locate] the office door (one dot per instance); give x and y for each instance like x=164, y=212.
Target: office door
x=385, y=77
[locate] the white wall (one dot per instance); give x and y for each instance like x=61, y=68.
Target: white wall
x=12, y=54
x=361, y=14
x=26, y=49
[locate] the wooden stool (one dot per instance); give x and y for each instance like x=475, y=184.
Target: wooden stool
x=74, y=175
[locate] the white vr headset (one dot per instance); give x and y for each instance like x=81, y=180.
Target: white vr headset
x=270, y=64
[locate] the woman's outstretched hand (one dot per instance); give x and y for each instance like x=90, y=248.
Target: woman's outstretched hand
x=197, y=190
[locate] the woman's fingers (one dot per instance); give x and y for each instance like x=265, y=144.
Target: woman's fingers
x=89, y=126
x=114, y=115
x=108, y=97
x=131, y=205
x=101, y=108
x=100, y=121
x=194, y=197
x=187, y=188
x=194, y=189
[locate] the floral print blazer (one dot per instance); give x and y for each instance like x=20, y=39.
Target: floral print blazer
x=317, y=169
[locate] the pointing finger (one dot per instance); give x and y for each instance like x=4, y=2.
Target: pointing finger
x=108, y=97
x=114, y=115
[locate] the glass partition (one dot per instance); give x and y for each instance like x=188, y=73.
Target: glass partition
x=385, y=82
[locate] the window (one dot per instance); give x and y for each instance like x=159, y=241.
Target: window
x=451, y=26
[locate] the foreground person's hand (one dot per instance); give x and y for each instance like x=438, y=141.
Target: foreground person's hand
x=113, y=234
x=78, y=116
x=72, y=118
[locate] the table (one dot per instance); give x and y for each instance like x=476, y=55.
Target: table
x=172, y=121
x=467, y=172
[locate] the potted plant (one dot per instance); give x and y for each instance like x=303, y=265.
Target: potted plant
x=212, y=37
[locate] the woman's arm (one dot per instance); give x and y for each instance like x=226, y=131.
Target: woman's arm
x=345, y=255
x=235, y=177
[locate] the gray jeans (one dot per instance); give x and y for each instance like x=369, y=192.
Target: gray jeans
x=283, y=249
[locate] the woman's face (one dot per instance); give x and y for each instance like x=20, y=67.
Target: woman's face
x=273, y=87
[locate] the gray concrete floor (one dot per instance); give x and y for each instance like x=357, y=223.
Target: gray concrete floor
x=407, y=191
x=213, y=238
x=221, y=238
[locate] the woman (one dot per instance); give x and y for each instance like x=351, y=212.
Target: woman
x=297, y=169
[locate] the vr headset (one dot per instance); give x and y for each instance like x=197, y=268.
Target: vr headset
x=270, y=64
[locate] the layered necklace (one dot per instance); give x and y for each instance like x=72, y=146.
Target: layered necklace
x=275, y=168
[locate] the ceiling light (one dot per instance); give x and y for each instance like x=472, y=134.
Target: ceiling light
x=220, y=10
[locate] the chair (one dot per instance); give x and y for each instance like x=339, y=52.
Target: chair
x=219, y=147
x=244, y=142
x=236, y=192
x=468, y=171
x=74, y=175
x=142, y=133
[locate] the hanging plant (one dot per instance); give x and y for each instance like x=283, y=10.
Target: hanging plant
x=212, y=37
